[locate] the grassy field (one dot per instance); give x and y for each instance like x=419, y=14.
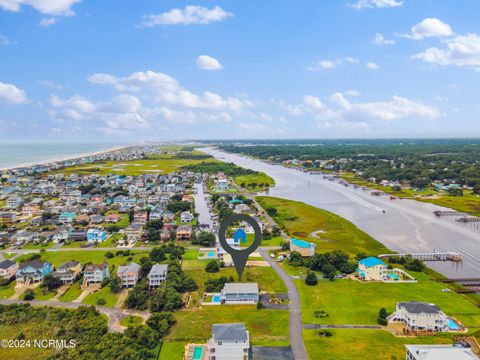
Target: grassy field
x=31, y=246
x=131, y=320
x=31, y=330
x=252, y=181
x=347, y=344
x=43, y=294
x=72, y=293
x=266, y=327
x=104, y=293
x=300, y=220
x=96, y=257
x=172, y=350
x=7, y=291
x=468, y=203
x=352, y=302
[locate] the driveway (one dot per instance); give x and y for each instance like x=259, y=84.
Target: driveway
x=114, y=315
x=295, y=322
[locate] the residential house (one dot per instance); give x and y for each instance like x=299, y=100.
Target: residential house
x=25, y=237
x=8, y=218
x=221, y=184
x=30, y=210
x=96, y=219
x=140, y=217
x=304, y=248
x=240, y=208
x=157, y=275
x=33, y=271
x=228, y=342
x=8, y=269
x=168, y=216
x=68, y=271
x=78, y=235
x=134, y=232
x=184, y=232
x=186, y=216
x=372, y=268
x=61, y=235
x=156, y=213
x=239, y=293
x=67, y=218
x=95, y=273
x=439, y=352
x=420, y=316
x=129, y=274
x=112, y=218
x=14, y=202
x=96, y=235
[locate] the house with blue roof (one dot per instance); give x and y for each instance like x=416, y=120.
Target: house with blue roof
x=96, y=235
x=372, y=268
x=303, y=247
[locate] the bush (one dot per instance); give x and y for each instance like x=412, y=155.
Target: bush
x=320, y=314
x=324, y=333
x=101, y=302
x=109, y=255
x=311, y=279
x=212, y=266
x=29, y=295
x=259, y=305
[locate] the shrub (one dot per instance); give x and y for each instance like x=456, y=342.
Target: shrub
x=101, y=301
x=29, y=295
x=311, y=279
x=212, y=266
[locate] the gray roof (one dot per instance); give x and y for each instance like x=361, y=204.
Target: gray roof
x=68, y=265
x=158, y=269
x=6, y=264
x=130, y=267
x=441, y=352
x=243, y=288
x=415, y=307
x=229, y=332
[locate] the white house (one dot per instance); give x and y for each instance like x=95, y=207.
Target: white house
x=239, y=293
x=186, y=216
x=129, y=274
x=157, y=275
x=439, y=352
x=420, y=316
x=228, y=342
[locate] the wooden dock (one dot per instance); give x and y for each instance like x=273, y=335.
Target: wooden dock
x=447, y=213
x=429, y=256
x=468, y=219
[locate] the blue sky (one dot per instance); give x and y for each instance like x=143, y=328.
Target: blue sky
x=83, y=70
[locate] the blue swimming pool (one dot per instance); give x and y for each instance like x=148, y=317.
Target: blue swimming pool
x=393, y=277
x=211, y=254
x=216, y=299
x=452, y=325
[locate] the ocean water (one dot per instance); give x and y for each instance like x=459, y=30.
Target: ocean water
x=12, y=155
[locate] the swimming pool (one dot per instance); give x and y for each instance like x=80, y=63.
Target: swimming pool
x=211, y=254
x=197, y=353
x=216, y=299
x=393, y=277
x=453, y=326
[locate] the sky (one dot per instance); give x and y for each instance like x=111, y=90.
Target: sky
x=150, y=70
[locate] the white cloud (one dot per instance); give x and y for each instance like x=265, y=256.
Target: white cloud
x=372, y=66
x=462, y=50
x=206, y=62
x=46, y=22
x=50, y=7
x=50, y=84
x=189, y=15
x=429, y=27
x=331, y=64
x=380, y=40
x=10, y=94
x=5, y=40
x=362, y=4
x=313, y=102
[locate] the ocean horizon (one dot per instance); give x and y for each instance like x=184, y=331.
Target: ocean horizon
x=24, y=154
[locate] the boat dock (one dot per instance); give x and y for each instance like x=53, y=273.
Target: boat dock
x=429, y=256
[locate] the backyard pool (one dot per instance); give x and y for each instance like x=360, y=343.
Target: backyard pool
x=453, y=325
x=216, y=299
x=393, y=277
x=197, y=353
x=211, y=254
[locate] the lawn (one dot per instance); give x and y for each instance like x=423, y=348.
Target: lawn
x=172, y=350
x=254, y=182
x=31, y=330
x=32, y=246
x=104, y=293
x=266, y=327
x=7, y=291
x=347, y=344
x=42, y=294
x=300, y=220
x=96, y=257
x=352, y=302
x=131, y=320
x=72, y=293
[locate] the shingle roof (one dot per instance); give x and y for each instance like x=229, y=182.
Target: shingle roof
x=158, y=269
x=126, y=268
x=68, y=265
x=243, y=288
x=416, y=307
x=229, y=332
x=6, y=264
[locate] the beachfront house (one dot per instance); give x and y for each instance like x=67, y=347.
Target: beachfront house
x=157, y=275
x=228, y=342
x=95, y=273
x=8, y=218
x=30, y=210
x=239, y=293
x=8, y=269
x=61, y=235
x=304, y=248
x=438, y=352
x=134, y=232
x=140, y=217
x=67, y=218
x=33, y=271
x=372, y=268
x=112, y=218
x=186, y=217
x=96, y=235
x=68, y=271
x=420, y=316
x=14, y=202
x=184, y=232
x=128, y=274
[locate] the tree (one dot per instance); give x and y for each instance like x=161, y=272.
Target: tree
x=212, y=266
x=160, y=322
x=329, y=271
x=205, y=238
x=109, y=255
x=115, y=284
x=157, y=254
x=476, y=189
x=454, y=191
x=29, y=295
x=271, y=211
x=311, y=279
x=382, y=317
x=51, y=282
x=296, y=259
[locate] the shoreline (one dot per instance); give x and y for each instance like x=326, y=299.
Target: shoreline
x=63, y=158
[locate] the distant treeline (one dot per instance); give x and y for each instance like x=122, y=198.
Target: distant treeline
x=228, y=169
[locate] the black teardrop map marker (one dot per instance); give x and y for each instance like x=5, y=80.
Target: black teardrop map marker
x=239, y=257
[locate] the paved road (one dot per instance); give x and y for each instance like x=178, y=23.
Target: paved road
x=114, y=315
x=295, y=323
